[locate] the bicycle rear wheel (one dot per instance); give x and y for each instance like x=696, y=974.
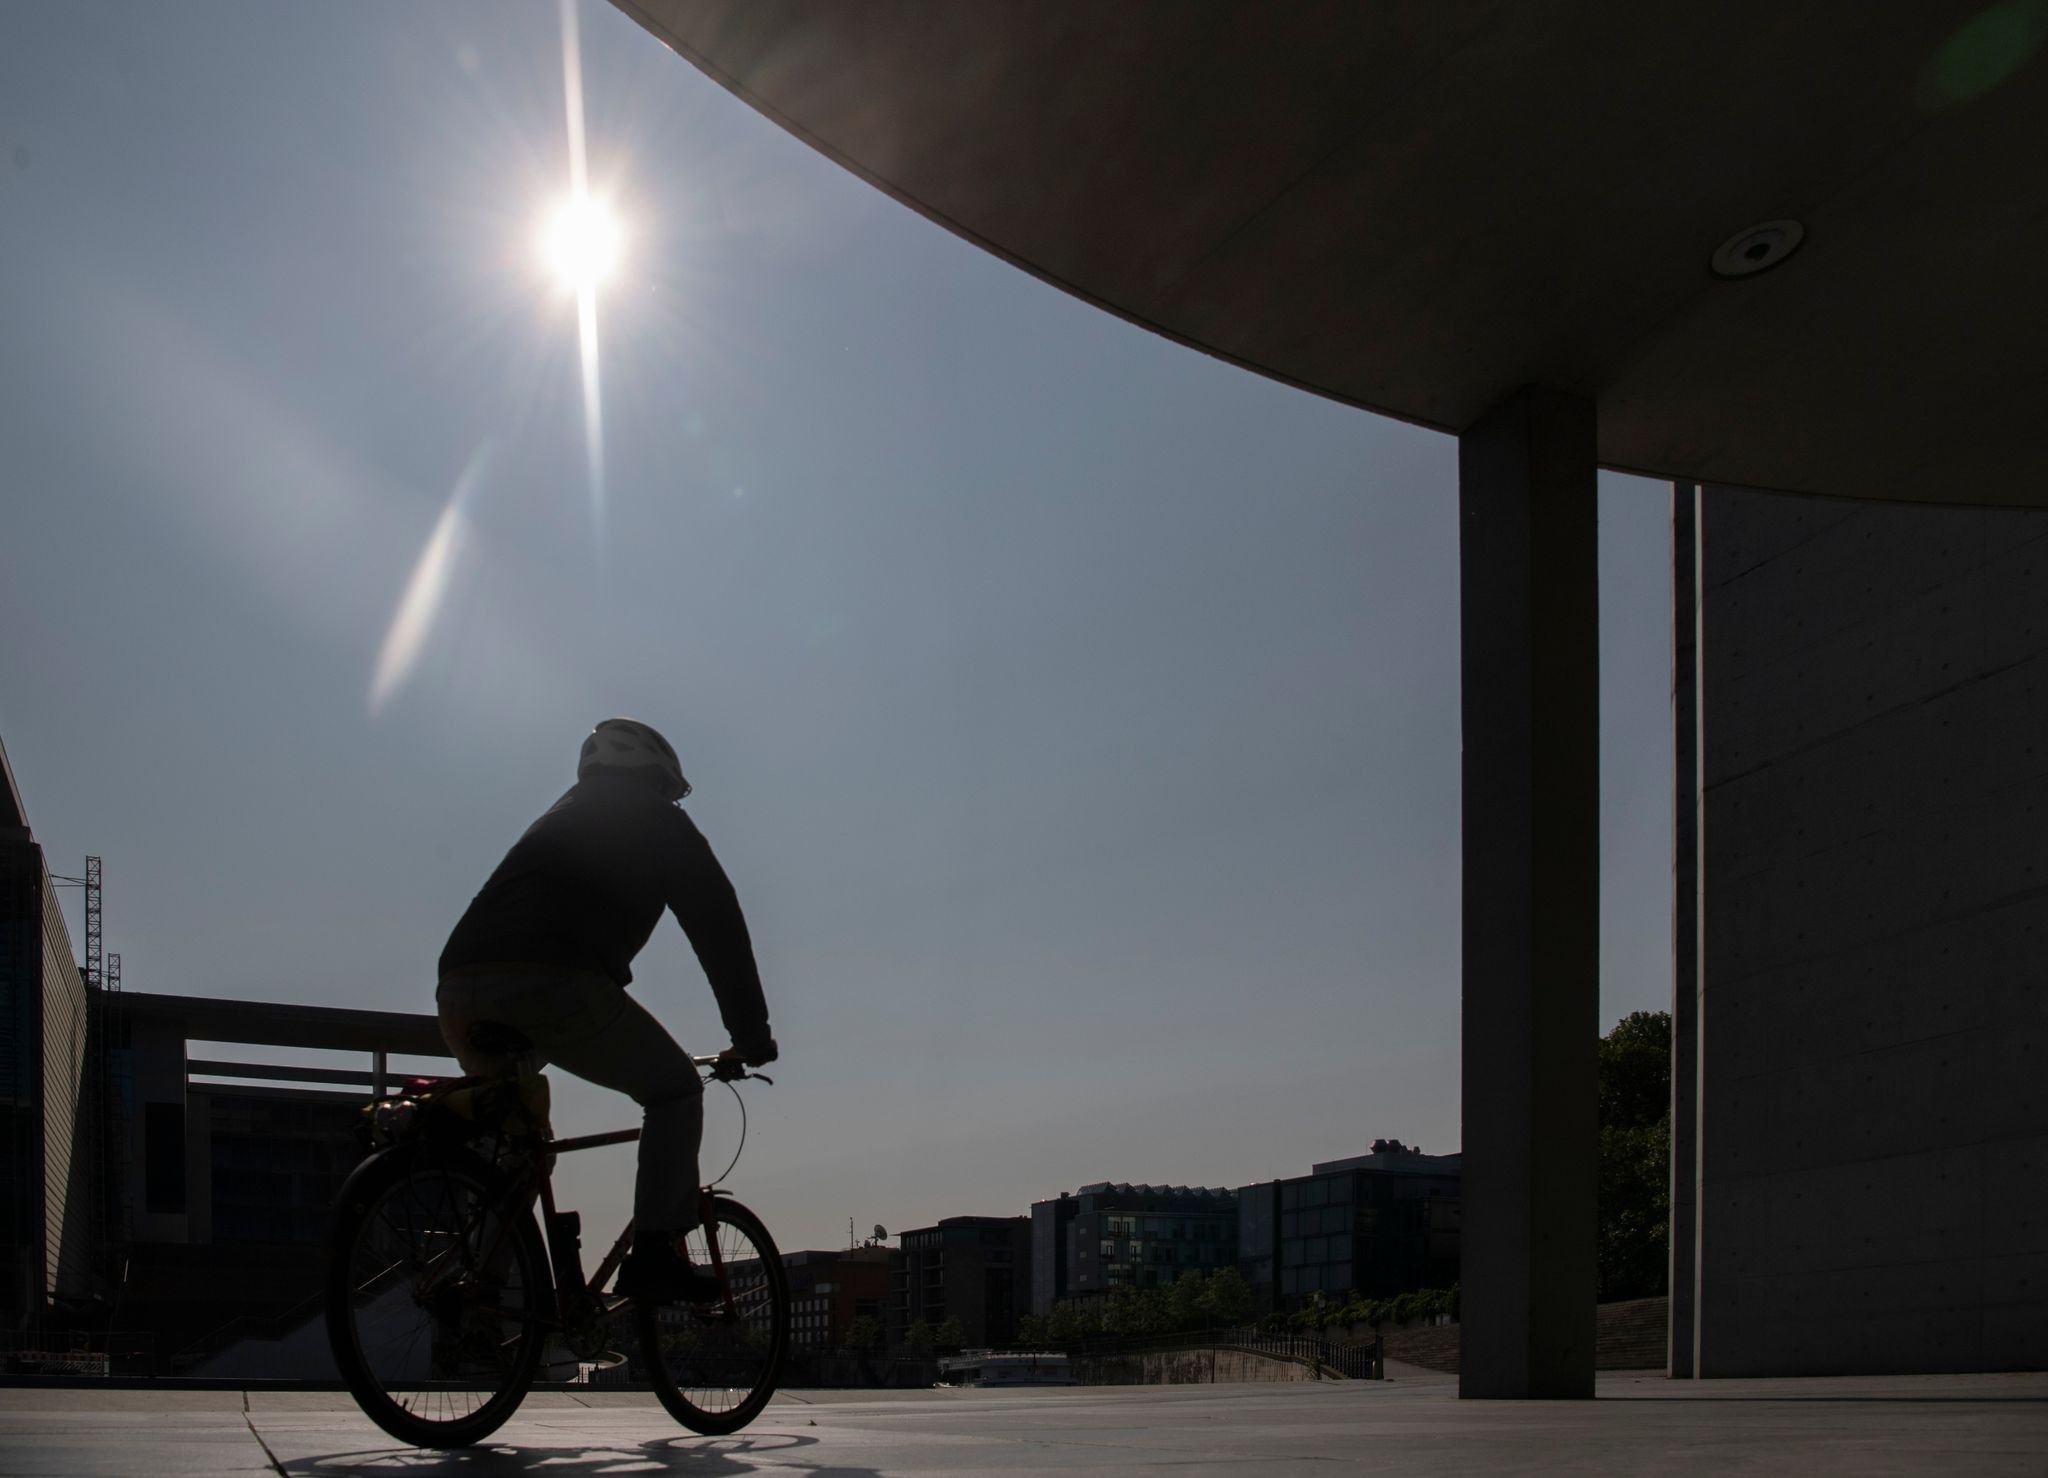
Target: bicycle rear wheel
x=436, y=1288
x=715, y=1365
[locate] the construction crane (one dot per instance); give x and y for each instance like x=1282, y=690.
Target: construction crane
x=93, y=979
x=91, y=882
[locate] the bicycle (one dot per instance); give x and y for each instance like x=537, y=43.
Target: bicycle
x=442, y=1292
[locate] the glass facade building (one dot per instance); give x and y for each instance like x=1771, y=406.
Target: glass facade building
x=1377, y=1225
x=1114, y=1235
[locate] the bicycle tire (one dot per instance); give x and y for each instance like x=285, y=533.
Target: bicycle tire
x=402, y=1269
x=715, y=1367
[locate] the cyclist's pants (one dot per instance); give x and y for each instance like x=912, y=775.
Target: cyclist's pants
x=588, y=1025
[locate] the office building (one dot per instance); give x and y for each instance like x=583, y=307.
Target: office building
x=48, y=1235
x=1113, y=1235
x=232, y=1167
x=973, y=1269
x=829, y=1290
x=1376, y=1225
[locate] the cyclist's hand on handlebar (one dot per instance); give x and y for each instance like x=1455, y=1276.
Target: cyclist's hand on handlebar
x=733, y=1062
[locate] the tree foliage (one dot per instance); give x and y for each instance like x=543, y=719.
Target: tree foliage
x=1422, y=1303
x=864, y=1333
x=1198, y=1299
x=919, y=1337
x=1635, y=1156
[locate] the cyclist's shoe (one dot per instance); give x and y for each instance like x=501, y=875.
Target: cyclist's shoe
x=657, y=1273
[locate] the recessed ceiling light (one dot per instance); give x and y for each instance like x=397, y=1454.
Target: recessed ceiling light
x=1758, y=248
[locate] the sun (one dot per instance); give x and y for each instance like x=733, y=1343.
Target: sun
x=582, y=242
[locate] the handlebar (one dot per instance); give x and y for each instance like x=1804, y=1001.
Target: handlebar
x=728, y=1069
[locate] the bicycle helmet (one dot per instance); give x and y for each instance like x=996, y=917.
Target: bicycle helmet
x=624, y=745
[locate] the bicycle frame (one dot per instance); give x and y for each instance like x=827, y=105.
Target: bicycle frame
x=563, y=1232
x=493, y=1174
x=575, y=1298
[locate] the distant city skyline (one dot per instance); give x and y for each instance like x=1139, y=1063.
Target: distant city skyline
x=1076, y=715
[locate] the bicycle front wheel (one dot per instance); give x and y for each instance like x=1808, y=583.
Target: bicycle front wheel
x=715, y=1365
x=436, y=1287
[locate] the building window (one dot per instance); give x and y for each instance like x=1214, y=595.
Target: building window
x=163, y=1157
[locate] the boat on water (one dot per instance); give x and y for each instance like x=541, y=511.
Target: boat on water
x=983, y=1368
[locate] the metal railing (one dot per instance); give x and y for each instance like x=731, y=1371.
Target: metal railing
x=1355, y=1359
x=95, y=1353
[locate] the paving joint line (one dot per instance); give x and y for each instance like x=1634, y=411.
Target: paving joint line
x=248, y=1422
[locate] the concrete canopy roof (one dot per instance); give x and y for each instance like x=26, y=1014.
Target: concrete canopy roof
x=1415, y=208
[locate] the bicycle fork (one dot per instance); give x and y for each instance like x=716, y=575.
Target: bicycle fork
x=706, y=1203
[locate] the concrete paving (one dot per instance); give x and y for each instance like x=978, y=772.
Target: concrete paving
x=1412, y=1424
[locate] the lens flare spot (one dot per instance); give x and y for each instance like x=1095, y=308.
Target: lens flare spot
x=413, y=621
x=1993, y=45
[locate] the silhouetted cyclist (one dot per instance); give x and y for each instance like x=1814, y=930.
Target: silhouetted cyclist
x=546, y=949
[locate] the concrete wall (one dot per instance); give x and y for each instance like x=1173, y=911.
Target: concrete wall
x=1872, y=1123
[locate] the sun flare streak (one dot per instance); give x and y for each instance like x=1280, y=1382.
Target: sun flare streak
x=593, y=400
x=413, y=621
x=597, y=240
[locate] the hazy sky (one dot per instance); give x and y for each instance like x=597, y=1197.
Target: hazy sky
x=1076, y=715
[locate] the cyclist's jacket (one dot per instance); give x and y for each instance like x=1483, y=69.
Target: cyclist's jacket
x=586, y=885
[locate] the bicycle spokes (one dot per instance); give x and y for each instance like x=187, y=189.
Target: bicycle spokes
x=714, y=1365
x=435, y=1314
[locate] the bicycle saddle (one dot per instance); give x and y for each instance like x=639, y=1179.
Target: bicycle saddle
x=498, y=1039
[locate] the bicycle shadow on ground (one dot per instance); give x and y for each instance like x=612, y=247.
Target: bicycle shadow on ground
x=691, y=1457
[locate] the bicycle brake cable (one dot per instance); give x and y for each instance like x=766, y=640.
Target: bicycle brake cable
x=739, y=1099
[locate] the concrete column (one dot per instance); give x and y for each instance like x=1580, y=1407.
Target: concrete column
x=1530, y=641
x=1685, y=919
